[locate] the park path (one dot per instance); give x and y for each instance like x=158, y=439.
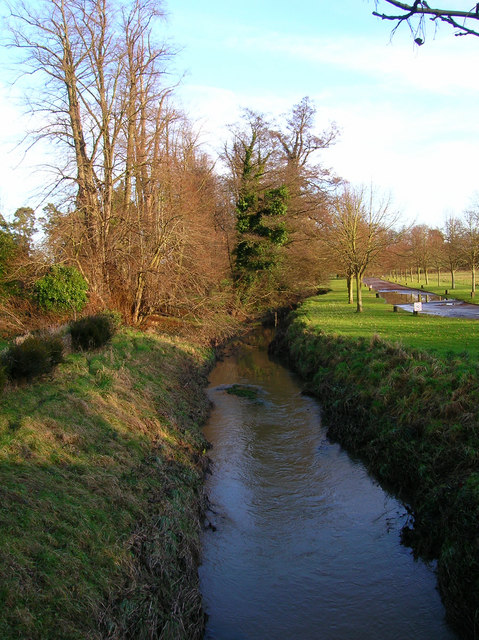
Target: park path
x=436, y=305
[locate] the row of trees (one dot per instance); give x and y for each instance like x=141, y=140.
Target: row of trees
x=143, y=215
x=422, y=250
x=140, y=210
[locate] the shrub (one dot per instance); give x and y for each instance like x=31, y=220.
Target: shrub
x=92, y=332
x=33, y=357
x=3, y=378
x=62, y=289
x=115, y=317
x=8, y=249
x=55, y=348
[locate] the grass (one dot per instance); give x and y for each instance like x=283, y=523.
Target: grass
x=242, y=391
x=101, y=468
x=402, y=392
x=441, y=336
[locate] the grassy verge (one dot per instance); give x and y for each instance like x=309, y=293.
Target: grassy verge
x=440, y=336
x=411, y=415
x=101, y=470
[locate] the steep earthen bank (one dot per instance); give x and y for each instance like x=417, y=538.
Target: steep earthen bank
x=101, y=480
x=413, y=419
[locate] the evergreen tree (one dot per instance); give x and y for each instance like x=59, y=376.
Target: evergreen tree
x=260, y=207
x=260, y=234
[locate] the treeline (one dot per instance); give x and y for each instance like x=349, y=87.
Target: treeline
x=144, y=222
x=423, y=251
x=142, y=214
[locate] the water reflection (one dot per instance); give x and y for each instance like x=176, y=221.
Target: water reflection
x=407, y=297
x=306, y=544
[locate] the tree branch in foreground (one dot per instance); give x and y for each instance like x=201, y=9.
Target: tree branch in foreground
x=456, y=19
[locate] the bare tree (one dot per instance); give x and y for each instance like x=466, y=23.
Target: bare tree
x=309, y=183
x=298, y=140
x=414, y=15
x=470, y=245
x=74, y=46
x=360, y=227
x=417, y=243
x=424, y=248
x=437, y=251
x=453, y=235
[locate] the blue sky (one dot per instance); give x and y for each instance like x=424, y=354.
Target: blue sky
x=408, y=116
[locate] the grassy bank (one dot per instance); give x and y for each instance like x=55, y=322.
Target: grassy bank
x=101, y=468
x=412, y=415
x=439, y=336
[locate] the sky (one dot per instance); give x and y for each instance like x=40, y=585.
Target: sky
x=408, y=116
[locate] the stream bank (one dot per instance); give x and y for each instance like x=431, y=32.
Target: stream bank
x=101, y=481
x=413, y=419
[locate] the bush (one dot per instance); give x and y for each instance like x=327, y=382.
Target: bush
x=33, y=357
x=3, y=378
x=62, y=289
x=115, y=317
x=92, y=332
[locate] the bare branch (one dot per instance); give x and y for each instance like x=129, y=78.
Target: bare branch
x=455, y=18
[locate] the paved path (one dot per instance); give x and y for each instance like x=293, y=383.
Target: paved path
x=448, y=307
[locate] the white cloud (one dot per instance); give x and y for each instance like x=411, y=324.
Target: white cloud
x=439, y=66
x=427, y=165
x=425, y=174
x=213, y=109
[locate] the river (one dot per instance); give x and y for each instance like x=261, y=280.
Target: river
x=302, y=542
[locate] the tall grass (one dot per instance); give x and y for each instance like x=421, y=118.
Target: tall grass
x=101, y=470
x=412, y=415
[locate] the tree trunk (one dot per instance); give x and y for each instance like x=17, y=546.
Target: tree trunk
x=453, y=279
x=138, y=298
x=349, y=281
x=359, y=294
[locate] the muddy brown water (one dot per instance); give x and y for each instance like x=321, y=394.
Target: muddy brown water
x=302, y=542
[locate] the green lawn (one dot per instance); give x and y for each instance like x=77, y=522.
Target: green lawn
x=443, y=336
